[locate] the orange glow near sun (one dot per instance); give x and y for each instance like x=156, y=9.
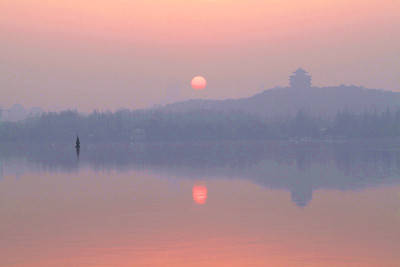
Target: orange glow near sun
x=199, y=194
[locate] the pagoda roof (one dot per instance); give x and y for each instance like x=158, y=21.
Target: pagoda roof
x=300, y=71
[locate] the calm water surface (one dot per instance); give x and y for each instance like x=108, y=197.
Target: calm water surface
x=200, y=205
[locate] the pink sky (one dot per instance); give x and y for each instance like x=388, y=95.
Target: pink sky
x=111, y=54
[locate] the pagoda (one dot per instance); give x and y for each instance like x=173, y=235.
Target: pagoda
x=300, y=79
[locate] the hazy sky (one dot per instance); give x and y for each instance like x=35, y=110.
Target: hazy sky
x=105, y=54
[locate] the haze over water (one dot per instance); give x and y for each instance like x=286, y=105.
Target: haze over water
x=265, y=204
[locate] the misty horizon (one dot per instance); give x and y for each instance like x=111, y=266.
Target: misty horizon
x=137, y=54
x=76, y=108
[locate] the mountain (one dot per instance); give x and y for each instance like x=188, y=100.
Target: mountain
x=300, y=95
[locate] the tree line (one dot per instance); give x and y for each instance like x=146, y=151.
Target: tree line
x=201, y=125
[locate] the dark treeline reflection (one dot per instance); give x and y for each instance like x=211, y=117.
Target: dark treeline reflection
x=202, y=125
x=299, y=168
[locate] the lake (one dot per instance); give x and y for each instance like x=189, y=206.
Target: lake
x=203, y=204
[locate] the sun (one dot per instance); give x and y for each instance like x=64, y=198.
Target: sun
x=199, y=83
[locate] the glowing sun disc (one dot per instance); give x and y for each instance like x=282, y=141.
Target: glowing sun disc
x=199, y=83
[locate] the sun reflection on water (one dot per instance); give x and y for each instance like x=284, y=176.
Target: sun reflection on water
x=199, y=194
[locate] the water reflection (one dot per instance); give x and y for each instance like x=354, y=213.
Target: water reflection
x=1, y=170
x=78, y=151
x=298, y=168
x=129, y=206
x=302, y=193
x=199, y=193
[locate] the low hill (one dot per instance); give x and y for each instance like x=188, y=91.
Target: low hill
x=286, y=101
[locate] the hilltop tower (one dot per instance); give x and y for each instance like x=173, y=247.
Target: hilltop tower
x=300, y=79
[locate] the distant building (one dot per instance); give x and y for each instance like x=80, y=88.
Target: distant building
x=300, y=79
